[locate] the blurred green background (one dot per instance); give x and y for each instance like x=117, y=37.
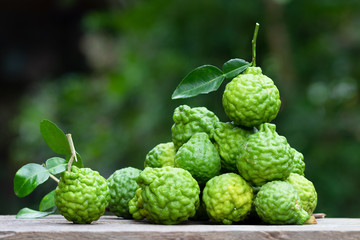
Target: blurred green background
x=105, y=71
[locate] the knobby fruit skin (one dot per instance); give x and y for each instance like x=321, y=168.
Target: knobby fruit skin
x=167, y=195
x=188, y=121
x=200, y=157
x=161, y=155
x=305, y=190
x=298, y=165
x=251, y=98
x=82, y=195
x=228, y=139
x=277, y=202
x=227, y=198
x=265, y=156
x=122, y=185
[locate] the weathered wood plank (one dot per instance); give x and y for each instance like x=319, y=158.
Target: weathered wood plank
x=111, y=227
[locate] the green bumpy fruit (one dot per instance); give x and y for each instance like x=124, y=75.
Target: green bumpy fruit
x=228, y=139
x=161, y=155
x=265, y=156
x=167, y=195
x=298, y=165
x=227, y=198
x=122, y=185
x=277, y=202
x=188, y=121
x=305, y=190
x=251, y=98
x=200, y=157
x=82, y=195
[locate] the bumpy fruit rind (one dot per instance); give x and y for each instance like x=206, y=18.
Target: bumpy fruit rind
x=82, y=195
x=298, y=165
x=188, y=121
x=122, y=185
x=228, y=139
x=168, y=195
x=305, y=190
x=200, y=157
x=161, y=155
x=277, y=202
x=265, y=157
x=227, y=198
x=251, y=98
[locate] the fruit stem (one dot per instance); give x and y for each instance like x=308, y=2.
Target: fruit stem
x=253, y=43
x=73, y=152
x=54, y=178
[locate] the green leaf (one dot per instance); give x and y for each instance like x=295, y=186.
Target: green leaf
x=54, y=137
x=48, y=201
x=27, y=213
x=234, y=67
x=79, y=163
x=28, y=177
x=201, y=80
x=56, y=165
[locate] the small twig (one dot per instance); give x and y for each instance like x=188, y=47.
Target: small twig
x=73, y=152
x=54, y=178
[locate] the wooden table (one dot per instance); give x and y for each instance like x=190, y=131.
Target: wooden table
x=111, y=227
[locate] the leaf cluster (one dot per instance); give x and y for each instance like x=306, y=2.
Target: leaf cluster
x=208, y=78
x=31, y=175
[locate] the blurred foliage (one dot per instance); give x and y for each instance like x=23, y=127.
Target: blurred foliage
x=140, y=50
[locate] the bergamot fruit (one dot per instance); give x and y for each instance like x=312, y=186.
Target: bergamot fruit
x=277, y=202
x=200, y=157
x=265, y=156
x=251, y=98
x=167, y=195
x=228, y=139
x=227, y=198
x=298, y=165
x=161, y=155
x=81, y=195
x=305, y=190
x=188, y=121
x=122, y=185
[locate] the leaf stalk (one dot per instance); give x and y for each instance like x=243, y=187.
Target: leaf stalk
x=73, y=152
x=253, y=43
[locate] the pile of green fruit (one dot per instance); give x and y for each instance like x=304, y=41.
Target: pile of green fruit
x=226, y=172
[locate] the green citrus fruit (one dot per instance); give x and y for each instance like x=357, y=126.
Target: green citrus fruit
x=265, y=156
x=305, y=190
x=228, y=139
x=227, y=198
x=167, y=195
x=298, y=165
x=277, y=202
x=251, y=98
x=122, y=185
x=199, y=157
x=188, y=121
x=161, y=155
x=82, y=195
x=136, y=206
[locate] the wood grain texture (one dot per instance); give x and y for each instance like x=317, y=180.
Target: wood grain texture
x=111, y=227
